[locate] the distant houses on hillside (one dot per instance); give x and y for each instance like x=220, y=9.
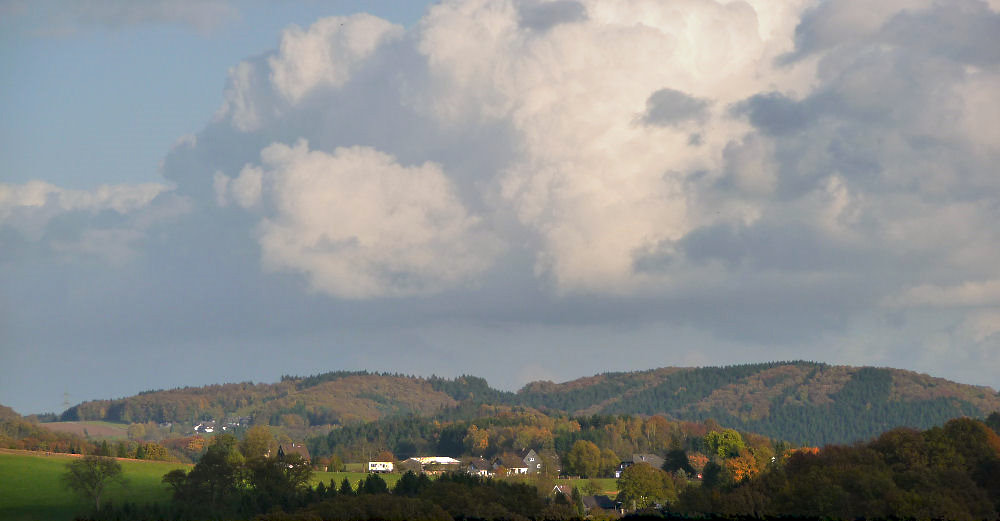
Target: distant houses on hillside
x=523, y=462
x=212, y=426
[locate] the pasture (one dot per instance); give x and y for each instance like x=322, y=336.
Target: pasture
x=90, y=429
x=353, y=477
x=30, y=487
x=604, y=486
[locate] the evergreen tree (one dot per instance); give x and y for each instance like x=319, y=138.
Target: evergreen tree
x=374, y=485
x=345, y=488
x=577, y=500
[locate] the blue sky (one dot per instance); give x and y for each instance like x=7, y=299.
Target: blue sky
x=197, y=192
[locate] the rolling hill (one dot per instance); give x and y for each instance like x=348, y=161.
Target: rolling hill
x=804, y=402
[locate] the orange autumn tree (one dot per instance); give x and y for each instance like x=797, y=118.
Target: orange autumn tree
x=743, y=466
x=476, y=440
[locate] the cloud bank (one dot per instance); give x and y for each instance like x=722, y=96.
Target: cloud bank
x=755, y=173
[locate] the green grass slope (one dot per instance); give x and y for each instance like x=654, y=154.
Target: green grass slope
x=30, y=487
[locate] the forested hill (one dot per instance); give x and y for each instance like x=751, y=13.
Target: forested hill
x=803, y=402
x=331, y=398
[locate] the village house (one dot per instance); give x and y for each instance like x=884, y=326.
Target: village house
x=479, y=467
x=650, y=459
x=525, y=461
x=510, y=464
x=293, y=448
x=380, y=467
x=531, y=460
x=594, y=504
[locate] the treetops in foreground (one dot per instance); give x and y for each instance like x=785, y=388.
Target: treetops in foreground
x=948, y=472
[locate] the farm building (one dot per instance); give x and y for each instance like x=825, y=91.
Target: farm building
x=379, y=467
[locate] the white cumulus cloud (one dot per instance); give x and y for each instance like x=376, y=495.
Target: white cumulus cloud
x=359, y=224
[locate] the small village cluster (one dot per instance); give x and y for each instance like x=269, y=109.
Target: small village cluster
x=523, y=462
x=212, y=426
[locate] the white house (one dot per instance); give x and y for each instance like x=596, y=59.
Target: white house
x=379, y=467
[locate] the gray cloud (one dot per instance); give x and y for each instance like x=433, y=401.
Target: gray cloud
x=541, y=16
x=670, y=107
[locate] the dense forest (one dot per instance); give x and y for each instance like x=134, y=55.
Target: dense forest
x=949, y=472
x=804, y=402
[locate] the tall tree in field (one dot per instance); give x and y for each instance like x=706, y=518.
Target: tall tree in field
x=584, y=459
x=641, y=486
x=91, y=475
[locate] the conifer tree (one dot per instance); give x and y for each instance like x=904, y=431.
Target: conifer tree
x=345, y=488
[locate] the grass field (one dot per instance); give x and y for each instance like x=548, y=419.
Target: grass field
x=353, y=477
x=605, y=486
x=90, y=429
x=30, y=488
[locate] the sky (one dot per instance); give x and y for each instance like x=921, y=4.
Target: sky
x=196, y=192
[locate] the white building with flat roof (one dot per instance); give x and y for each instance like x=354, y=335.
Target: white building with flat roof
x=379, y=467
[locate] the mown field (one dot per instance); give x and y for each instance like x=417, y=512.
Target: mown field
x=353, y=477
x=90, y=429
x=605, y=486
x=30, y=488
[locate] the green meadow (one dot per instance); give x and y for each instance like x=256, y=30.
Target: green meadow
x=353, y=477
x=30, y=488
x=605, y=486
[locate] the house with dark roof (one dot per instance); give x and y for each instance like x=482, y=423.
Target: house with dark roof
x=602, y=503
x=510, y=463
x=531, y=460
x=293, y=448
x=479, y=467
x=565, y=490
x=650, y=459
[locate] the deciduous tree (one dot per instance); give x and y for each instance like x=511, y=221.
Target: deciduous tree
x=90, y=476
x=641, y=486
x=256, y=442
x=584, y=459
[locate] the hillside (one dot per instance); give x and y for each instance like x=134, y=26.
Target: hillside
x=803, y=402
x=331, y=398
